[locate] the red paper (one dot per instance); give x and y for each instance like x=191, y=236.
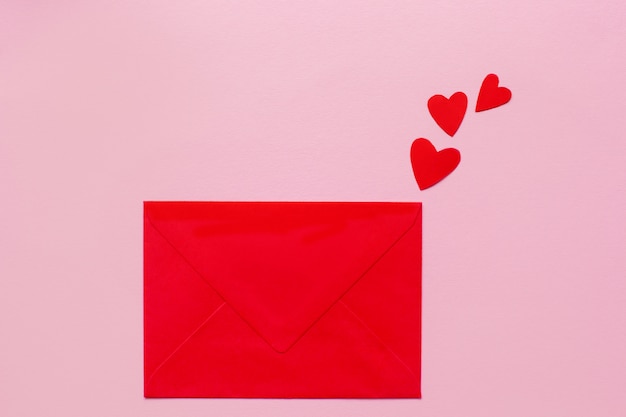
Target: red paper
x=431, y=166
x=448, y=113
x=282, y=300
x=490, y=95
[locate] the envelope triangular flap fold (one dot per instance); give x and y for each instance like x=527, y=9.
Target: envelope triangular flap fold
x=281, y=265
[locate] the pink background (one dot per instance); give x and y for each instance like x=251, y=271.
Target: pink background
x=106, y=104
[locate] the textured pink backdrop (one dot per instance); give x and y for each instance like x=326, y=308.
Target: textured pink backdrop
x=106, y=104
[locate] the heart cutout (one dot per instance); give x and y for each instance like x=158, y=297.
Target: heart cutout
x=431, y=166
x=448, y=113
x=491, y=95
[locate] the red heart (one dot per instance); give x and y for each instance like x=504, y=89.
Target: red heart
x=448, y=113
x=491, y=95
x=430, y=166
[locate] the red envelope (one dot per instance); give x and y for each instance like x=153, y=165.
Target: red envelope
x=282, y=300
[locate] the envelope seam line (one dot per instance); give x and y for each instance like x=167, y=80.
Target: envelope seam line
x=183, y=257
x=369, y=329
x=339, y=299
x=203, y=279
x=183, y=343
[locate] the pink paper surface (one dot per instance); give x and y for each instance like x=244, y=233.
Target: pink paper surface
x=106, y=104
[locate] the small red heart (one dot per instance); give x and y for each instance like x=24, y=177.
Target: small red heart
x=448, y=113
x=491, y=95
x=430, y=166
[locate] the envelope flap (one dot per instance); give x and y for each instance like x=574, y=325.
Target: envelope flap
x=281, y=266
